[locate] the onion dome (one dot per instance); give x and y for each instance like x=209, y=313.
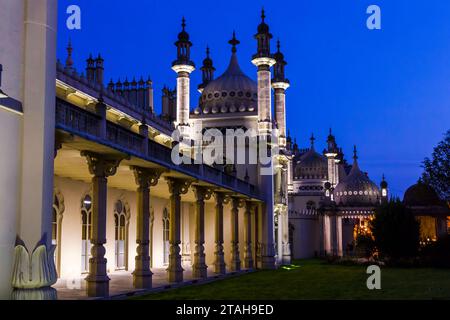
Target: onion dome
x=232, y=91
x=421, y=194
x=311, y=165
x=183, y=35
x=356, y=189
x=263, y=26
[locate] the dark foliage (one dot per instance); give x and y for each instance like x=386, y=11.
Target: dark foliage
x=437, y=169
x=396, y=231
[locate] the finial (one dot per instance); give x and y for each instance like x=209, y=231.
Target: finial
x=312, y=140
x=355, y=153
x=207, y=51
x=234, y=42
x=183, y=23
x=278, y=45
x=263, y=14
x=331, y=132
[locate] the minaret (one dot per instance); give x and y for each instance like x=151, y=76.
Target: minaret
x=183, y=66
x=331, y=153
x=280, y=84
x=263, y=60
x=90, y=69
x=207, y=71
x=384, y=190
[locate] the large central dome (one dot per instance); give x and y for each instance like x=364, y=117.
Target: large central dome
x=233, y=91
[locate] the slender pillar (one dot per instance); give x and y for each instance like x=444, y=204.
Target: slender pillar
x=183, y=66
x=219, y=257
x=263, y=61
x=177, y=187
x=145, y=178
x=235, y=256
x=248, y=254
x=101, y=168
x=199, y=267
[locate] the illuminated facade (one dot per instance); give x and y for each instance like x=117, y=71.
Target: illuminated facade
x=90, y=188
x=98, y=190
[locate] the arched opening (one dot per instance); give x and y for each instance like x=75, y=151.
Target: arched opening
x=86, y=232
x=166, y=228
x=121, y=223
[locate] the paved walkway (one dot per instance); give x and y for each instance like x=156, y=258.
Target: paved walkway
x=121, y=284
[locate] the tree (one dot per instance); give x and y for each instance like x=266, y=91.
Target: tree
x=395, y=230
x=437, y=170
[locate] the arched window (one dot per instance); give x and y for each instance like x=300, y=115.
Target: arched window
x=166, y=231
x=121, y=219
x=86, y=232
x=57, y=215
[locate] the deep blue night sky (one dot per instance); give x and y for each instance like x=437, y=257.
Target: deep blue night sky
x=387, y=91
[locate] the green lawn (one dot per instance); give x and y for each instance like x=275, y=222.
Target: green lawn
x=314, y=279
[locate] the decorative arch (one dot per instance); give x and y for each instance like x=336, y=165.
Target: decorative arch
x=121, y=232
x=86, y=230
x=57, y=217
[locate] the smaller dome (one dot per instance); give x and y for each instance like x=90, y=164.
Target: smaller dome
x=356, y=189
x=311, y=165
x=421, y=194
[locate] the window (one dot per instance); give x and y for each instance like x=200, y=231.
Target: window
x=86, y=232
x=120, y=235
x=166, y=232
x=57, y=215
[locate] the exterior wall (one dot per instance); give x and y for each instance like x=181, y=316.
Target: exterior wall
x=306, y=236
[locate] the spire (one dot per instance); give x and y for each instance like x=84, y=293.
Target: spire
x=355, y=154
x=234, y=42
x=312, y=139
x=183, y=23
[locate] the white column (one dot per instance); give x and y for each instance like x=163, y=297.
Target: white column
x=11, y=57
x=39, y=121
x=183, y=97
x=280, y=110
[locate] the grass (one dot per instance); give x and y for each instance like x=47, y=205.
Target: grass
x=317, y=280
